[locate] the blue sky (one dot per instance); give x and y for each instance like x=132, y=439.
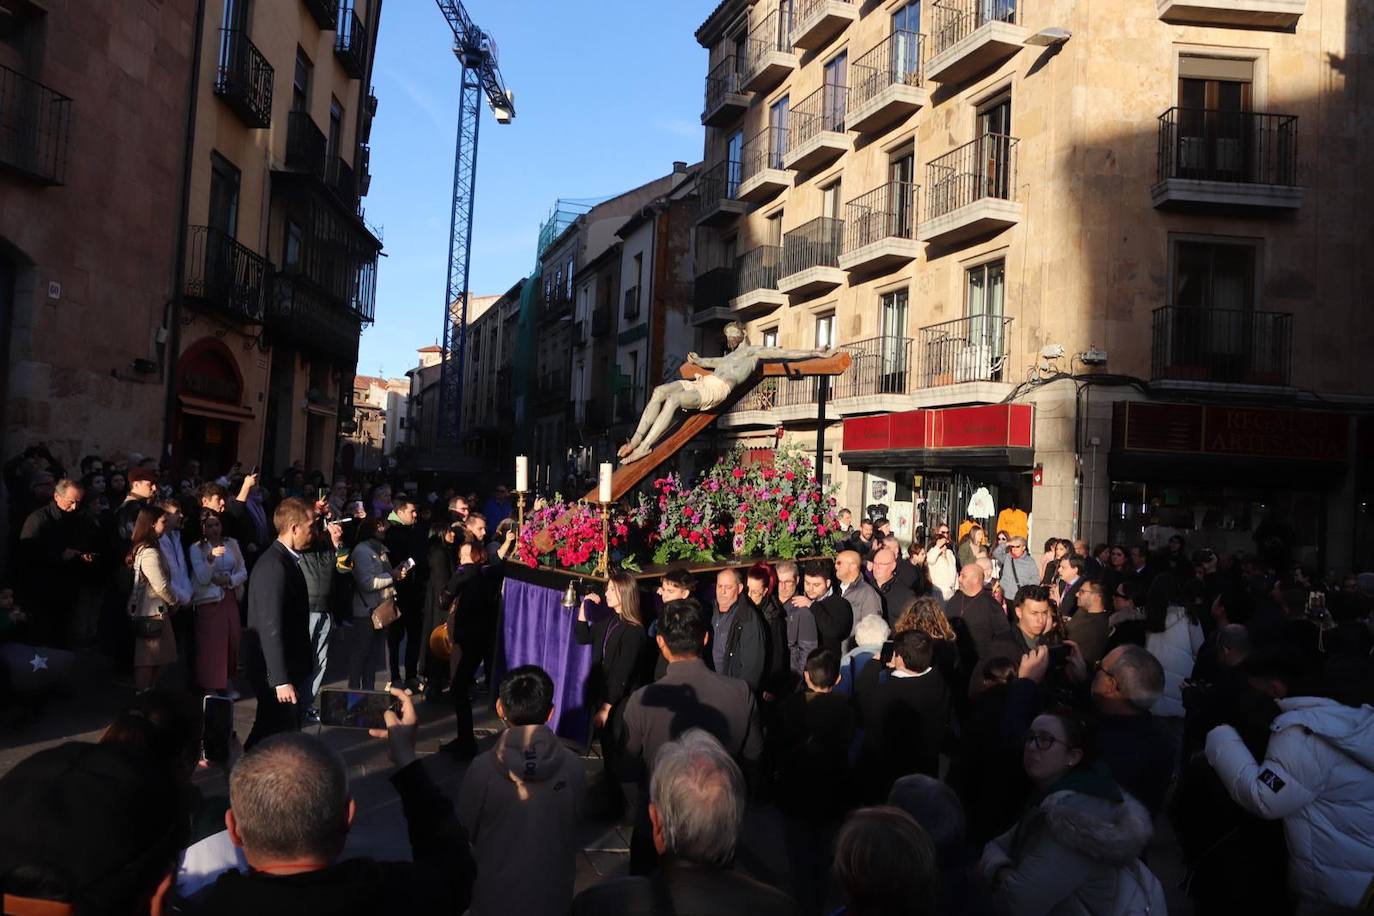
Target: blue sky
x=608, y=93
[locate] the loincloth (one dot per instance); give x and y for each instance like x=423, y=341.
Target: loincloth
x=713, y=391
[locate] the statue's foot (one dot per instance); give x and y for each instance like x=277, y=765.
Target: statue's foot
x=641, y=452
x=625, y=450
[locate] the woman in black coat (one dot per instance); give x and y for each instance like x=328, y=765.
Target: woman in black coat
x=621, y=658
x=778, y=679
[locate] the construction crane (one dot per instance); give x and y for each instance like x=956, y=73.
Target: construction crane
x=477, y=53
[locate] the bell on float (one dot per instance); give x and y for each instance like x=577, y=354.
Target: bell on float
x=570, y=595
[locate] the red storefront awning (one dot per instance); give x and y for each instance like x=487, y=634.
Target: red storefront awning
x=990, y=434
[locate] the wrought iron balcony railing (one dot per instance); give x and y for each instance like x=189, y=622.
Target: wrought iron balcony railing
x=972, y=349
x=298, y=315
x=632, y=298
x=881, y=366
x=806, y=14
x=601, y=321
x=822, y=110
x=244, y=78
x=226, y=275
x=757, y=269
x=343, y=182
x=717, y=184
x=350, y=42
x=886, y=212
x=1237, y=346
x=1248, y=147
x=305, y=145
x=772, y=33
x=955, y=20
x=715, y=288
x=813, y=244
x=324, y=12
x=899, y=59
x=762, y=151
x=985, y=167
x=35, y=124
x=724, y=79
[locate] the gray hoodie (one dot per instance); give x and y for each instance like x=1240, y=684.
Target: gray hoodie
x=519, y=803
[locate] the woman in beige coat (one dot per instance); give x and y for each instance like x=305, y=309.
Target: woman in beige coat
x=151, y=597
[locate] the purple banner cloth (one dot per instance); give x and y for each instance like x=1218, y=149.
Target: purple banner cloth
x=537, y=630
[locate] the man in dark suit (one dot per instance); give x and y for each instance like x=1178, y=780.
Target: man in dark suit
x=897, y=598
x=903, y=709
x=276, y=645
x=834, y=617
x=689, y=695
x=1072, y=572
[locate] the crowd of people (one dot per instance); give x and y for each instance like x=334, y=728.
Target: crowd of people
x=953, y=726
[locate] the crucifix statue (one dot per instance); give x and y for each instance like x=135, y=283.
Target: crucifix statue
x=706, y=391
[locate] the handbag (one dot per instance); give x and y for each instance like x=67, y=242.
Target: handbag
x=385, y=614
x=145, y=627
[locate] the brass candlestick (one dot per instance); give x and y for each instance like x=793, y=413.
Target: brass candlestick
x=603, y=565
x=519, y=512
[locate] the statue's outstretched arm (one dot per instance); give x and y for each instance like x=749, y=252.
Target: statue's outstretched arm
x=773, y=354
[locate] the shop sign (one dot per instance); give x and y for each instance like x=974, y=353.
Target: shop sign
x=1255, y=432
x=986, y=426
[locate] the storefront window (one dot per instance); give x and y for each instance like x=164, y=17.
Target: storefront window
x=1226, y=520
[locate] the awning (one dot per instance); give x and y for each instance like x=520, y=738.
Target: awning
x=945, y=459
x=215, y=410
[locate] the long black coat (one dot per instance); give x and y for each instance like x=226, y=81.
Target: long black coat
x=276, y=645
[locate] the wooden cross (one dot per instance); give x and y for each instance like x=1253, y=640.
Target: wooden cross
x=627, y=477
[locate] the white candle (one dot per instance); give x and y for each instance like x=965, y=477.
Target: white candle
x=522, y=474
x=605, y=479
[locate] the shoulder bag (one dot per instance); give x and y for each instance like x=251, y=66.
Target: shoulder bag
x=385, y=614
x=144, y=627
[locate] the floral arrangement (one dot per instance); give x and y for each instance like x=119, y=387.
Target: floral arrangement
x=568, y=535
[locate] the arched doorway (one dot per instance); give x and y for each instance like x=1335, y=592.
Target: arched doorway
x=210, y=408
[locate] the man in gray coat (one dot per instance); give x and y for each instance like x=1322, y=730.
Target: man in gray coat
x=862, y=597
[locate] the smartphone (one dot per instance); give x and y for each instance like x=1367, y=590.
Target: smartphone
x=1059, y=654
x=217, y=717
x=408, y=564
x=321, y=495
x=885, y=656
x=356, y=708
x=255, y=471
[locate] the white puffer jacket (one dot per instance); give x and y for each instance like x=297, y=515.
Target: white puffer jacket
x=1176, y=648
x=1318, y=776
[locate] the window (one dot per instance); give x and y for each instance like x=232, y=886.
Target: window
x=825, y=330
x=775, y=229
x=21, y=34
x=777, y=137
x=836, y=93
x=830, y=201
x=1216, y=133
x=981, y=355
x=908, y=19
x=741, y=51
x=291, y=254
x=224, y=196
x=1214, y=275
x=994, y=154
x=770, y=337
x=784, y=24
x=901, y=172
x=734, y=152
x=632, y=295
x=568, y=289
x=895, y=346
x=335, y=129
x=300, y=83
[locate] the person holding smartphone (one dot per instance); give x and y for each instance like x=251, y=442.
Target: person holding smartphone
x=374, y=582
x=218, y=573
x=942, y=563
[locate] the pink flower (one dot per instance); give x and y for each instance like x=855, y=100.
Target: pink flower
x=784, y=515
x=737, y=473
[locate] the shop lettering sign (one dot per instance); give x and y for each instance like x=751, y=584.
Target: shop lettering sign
x=1255, y=432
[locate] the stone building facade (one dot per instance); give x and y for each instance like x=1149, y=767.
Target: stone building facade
x=1097, y=260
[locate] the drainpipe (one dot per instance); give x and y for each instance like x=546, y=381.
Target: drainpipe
x=173, y=314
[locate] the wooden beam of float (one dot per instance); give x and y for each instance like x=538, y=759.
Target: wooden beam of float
x=627, y=477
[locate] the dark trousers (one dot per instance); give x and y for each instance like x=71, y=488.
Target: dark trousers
x=408, y=626
x=475, y=651
x=273, y=717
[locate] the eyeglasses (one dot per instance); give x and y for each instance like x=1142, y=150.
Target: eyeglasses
x=1099, y=666
x=1042, y=741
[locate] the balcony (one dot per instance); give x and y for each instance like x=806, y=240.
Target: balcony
x=972, y=36
x=713, y=291
x=811, y=258
x=1226, y=346
x=881, y=369
x=35, y=124
x=816, y=23
x=226, y=276
x=880, y=229
x=369, y=115
x=324, y=12
x=557, y=305
x=971, y=191
x=305, y=145
x=887, y=84
x=973, y=349
x=762, y=175
x=1227, y=158
x=770, y=55
x=364, y=169
x=716, y=190
x=1240, y=14
x=756, y=283
x=725, y=100
x=350, y=42
x=298, y=316
x=632, y=298
x=244, y=79
x=601, y=321
x=817, y=129
x=341, y=180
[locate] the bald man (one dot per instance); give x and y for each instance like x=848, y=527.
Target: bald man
x=862, y=597
x=977, y=617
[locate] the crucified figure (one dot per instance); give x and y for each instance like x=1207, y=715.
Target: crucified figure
x=705, y=391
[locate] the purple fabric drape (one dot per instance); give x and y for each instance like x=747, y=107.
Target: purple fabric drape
x=537, y=630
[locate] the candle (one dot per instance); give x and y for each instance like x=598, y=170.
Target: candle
x=604, y=495
x=522, y=474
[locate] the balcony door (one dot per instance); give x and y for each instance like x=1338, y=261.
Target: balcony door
x=994, y=153
x=777, y=137
x=895, y=344
x=836, y=97
x=906, y=48
x=978, y=355
x=1214, y=122
x=734, y=153
x=901, y=177
x=1211, y=333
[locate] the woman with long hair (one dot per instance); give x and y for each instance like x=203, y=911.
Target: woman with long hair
x=151, y=603
x=761, y=583
x=928, y=616
x=942, y=565
x=1077, y=848
x=217, y=574
x=969, y=544
x=441, y=558
x=1056, y=549
x=913, y=571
